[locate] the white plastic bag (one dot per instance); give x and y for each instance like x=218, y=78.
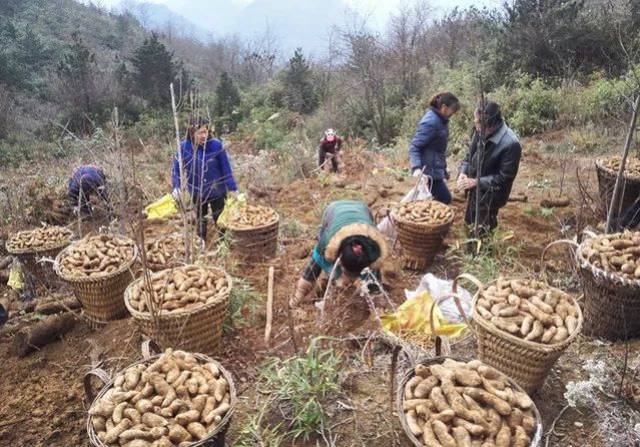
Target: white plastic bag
x=439, y=288
x=419, y=192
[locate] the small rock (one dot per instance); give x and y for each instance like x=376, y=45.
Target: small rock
x=578, y=424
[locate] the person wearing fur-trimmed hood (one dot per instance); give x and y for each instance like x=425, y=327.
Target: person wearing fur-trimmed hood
x=348, y=236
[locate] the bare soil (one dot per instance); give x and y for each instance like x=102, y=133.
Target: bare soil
x=42, y=400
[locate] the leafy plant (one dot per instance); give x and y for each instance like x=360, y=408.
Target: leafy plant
x=243, y=304
x=300, y=388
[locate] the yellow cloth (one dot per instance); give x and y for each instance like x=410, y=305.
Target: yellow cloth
x=164, y=207
x=231, y=205
x=413, y=315
x=16, y=280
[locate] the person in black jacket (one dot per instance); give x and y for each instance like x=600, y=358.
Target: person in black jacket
x=498, y=169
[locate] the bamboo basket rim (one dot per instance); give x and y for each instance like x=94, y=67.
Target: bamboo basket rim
x=600, y=273
x=167, y=316
x=29, y=251
x=531, y=345
x=97, y=278
x=223, y=425
x=259, y=227
x=609, y=171
x=536, y=438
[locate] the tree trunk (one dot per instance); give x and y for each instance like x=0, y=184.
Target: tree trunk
x=43, y=333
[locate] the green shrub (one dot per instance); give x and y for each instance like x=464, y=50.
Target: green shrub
x=530, y=106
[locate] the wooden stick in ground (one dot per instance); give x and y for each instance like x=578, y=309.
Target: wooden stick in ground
x=267, y=329
x=47, y=331
x=623, y=162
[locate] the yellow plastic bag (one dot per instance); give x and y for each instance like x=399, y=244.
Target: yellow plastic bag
x=164, y=207
x=413, y=315
x=231, y=205
x=16, y=279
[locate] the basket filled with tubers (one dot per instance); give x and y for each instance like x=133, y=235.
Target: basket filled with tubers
x=422, y=226
x=523, y=326
x=33, y=245
x=166, y=251
x=98, y=269
x=176, y=399
x=449, y=403
x=609, y=267
x=252, y=231
x=186, y=308
x=607, y=171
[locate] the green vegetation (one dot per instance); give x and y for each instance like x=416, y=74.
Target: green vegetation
x=299, y=389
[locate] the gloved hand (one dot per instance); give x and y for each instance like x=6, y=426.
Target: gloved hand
x=416, y=172
x=180, y=196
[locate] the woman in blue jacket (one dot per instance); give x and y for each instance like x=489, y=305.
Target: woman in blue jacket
x=428, y=149
x=207, y=173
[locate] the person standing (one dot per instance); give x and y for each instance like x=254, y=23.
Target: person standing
x=492, y=178
x=428, y=150
x=330, y=144
x=208, y=174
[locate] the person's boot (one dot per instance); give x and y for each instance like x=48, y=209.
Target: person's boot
x=303, y=289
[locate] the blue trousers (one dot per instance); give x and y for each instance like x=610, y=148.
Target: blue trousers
x=441, y=192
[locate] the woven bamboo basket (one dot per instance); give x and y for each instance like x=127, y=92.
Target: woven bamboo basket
x=255, y=244
x=611, y=302
x=102, y=296
x=195, y=330
x=42, y=271
x=526, y=362
x=535, y=440
x=629, y=192
x=420, y=242
x=215, y=438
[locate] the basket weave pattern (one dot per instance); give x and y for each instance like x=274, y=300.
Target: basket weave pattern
x=215, y=439
x=102, y=297
x=420, y=242
x=536, y=438
x=630, y=188
x=611, y=302
x=194, y=330
x=526, y=362
x=255, y=244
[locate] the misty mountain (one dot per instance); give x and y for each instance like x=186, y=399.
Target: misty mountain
x=293, y=23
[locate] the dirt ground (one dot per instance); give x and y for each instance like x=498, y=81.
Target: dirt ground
x=42, y=399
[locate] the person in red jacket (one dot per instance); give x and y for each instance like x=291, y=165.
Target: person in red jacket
x=330, y=144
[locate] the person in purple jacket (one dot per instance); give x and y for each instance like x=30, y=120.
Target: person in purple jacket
x=206, y=172
x=428, y=151
x=87, y=181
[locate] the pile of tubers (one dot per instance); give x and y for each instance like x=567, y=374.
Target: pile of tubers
x=180, y=289
x=616, y=253
x=39, y=239
x=96, y=255
x=167, y=250
x=631, y=168
x=528, y=309
x=173, y=402
x=456, y=404
x=427, y=212
x=251, y=216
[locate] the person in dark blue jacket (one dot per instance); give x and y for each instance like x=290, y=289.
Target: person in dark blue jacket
x=207, y=173
x=86, y=181
x=428, y=151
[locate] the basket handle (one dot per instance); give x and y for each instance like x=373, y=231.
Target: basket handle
x=149, y=348
x=543, y=265
x=456, y=300
x=88, y=389
x=468, y=276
